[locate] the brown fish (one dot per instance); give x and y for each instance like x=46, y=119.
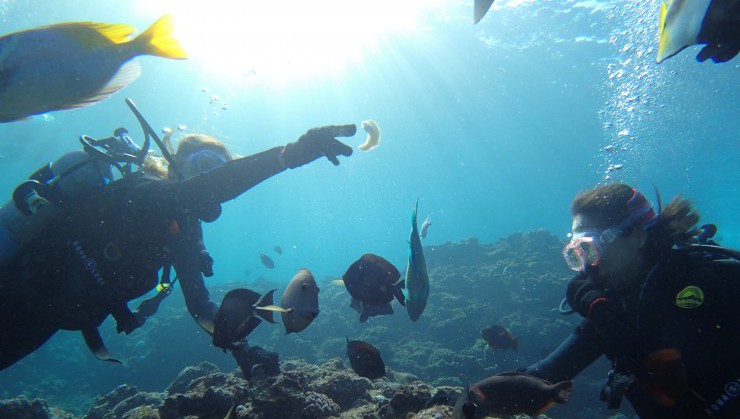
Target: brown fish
x=373, y=280
x=365, y=359
x=498, y=337
x=511, y=393
x=301, y=302
x=369, y=310
x=236, y=317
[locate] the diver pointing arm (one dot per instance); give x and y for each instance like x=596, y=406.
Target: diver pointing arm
x=235, y=177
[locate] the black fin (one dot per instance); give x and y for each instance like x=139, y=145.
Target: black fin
x=97, y=347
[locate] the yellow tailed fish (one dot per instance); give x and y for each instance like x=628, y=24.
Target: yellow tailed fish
x=74, y=64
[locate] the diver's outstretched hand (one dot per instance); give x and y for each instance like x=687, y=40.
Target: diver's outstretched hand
x=318, y=142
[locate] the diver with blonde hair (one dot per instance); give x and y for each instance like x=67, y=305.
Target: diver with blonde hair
x=108, y=245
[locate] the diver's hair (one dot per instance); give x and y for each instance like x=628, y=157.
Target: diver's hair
x=607, y=206
x=195, y=142
x=155, y=165
x=676, y=225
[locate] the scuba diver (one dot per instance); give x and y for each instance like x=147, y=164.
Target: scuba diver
x=77, y=243
x=659, y=300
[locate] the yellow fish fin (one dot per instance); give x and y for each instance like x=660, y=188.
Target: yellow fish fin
x=157, y=40
x=663, y=37
x=339, y=282
x=116, y=33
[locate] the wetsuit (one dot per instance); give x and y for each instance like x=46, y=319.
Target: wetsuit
x=649, y=318
x=108, y=248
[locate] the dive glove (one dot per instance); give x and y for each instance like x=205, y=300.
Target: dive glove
x=583, y=295
x=318, y=142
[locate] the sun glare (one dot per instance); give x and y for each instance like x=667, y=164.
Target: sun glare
x=287, y=40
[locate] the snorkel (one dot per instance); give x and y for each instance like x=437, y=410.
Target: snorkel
x=121, y=149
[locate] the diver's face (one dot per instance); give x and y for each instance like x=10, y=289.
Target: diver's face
x=201, y=161
x=620, y=256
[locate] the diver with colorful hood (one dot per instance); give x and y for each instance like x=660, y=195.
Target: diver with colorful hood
x=78, y=243
x=658, y=300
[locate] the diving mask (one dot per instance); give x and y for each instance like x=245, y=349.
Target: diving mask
x=587, y=247
x=202, y=161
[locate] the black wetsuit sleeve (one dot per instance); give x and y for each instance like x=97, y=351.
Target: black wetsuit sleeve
x=199, y=194
x=577, y=352
x=230, y=180
x=189, y=258
x=197, y=297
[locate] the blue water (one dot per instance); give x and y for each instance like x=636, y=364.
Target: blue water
x=494, y=127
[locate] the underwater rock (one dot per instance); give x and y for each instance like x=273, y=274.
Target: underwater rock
x=411, y=398
x=103, y=405
x=316, y=405
x=434, y=412
x=344, y=387
x=186, y=376
x=211, y=395
x=23, y=408
x=142, y=412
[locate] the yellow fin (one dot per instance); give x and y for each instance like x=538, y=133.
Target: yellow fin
x=116, y=33
x=662, y=35
x=157, y=40
x=339, y=282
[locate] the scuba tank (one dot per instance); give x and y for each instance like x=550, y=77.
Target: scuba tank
x=39, y=200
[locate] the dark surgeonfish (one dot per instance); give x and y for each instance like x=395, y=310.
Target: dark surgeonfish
x=714, y=23
x=267, y=261
x=498, y=337
x=373, y=280
x=300, y=301
x=416, y=289
x=480, y=8
x=237, y=317
x=510, y=393
x=370, y=310
x=365, y=359
x=74, y=64
x=278, y=250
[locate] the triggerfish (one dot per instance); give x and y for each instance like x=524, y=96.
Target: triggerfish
x=236, y=318
x=510, y=393
x=301, y=302
x=74, y=64
x=416, y=291
x=715, y=23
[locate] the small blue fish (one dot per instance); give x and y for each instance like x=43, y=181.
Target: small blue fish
x=416, y=291
x=74, y=64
